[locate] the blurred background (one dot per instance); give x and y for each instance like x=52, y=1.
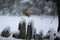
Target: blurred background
x=43, y=13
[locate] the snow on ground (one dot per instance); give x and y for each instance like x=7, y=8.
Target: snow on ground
x=9, y=38
x=43, y=23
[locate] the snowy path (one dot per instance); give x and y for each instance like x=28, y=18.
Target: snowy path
x=40, y=24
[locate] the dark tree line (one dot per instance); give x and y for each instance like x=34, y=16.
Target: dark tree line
x=35, y=8
x=6, y=4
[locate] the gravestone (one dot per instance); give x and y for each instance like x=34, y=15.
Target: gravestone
x=22, y=29
x=6, y=32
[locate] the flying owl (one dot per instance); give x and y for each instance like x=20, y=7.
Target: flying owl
x=25, y=12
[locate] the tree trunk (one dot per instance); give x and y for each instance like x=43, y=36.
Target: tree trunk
x=58, y=9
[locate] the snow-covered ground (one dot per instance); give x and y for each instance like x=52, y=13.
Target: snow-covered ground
x=43, y=23
x=10, y=38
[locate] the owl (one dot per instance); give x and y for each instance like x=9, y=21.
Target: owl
x=25, y=12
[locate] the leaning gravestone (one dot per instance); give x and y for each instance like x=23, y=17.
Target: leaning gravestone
x=6, y=32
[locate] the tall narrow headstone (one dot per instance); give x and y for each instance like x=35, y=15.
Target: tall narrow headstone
x=29, y=31
x=22, y=29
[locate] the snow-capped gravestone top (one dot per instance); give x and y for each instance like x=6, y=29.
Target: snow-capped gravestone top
x=6, y=32
x=7, y=28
